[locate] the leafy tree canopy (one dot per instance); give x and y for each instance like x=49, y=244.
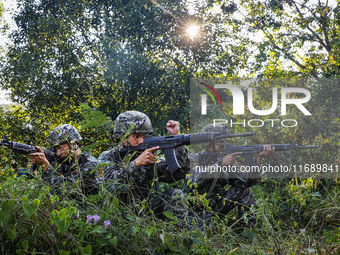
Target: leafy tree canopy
x=117, y=55
x=290, y=37
x=122, y=55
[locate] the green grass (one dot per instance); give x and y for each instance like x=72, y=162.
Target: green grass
x=293, y=217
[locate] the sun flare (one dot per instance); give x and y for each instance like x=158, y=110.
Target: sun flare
x=193, y=30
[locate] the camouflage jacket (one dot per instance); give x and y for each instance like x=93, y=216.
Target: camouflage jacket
x=77, y=172
x=117, y=175
x=202, y=181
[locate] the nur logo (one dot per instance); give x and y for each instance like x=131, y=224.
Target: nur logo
x=238, y=99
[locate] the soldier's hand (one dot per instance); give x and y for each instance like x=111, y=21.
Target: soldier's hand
x=146, y=158
x=173, y=127
x=267, y=151
x=39, y=158
x=229, y=159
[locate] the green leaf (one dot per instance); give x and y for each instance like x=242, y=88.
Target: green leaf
x=115, y=201
x=87, y=250
x=12, y=233
x=37, y=203
x=187, y=242
x=25, y=244
x=63, y=252
x=148, y=232
x=134, y=230
x=62, y=221
x=318, y=194
x=28, y=207
x=2, y=224
x=113, y=241
x=5, y=207
x=209, y=233
x=129, y=217
x=169, y=215
x=248, y=234
x=232, y=251
x=85, y=106
x=99, y=230
x=62, y=224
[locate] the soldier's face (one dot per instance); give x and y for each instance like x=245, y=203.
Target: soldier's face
x=217, y=146
x=135, y=139
x=62, y=151
x=211, y=148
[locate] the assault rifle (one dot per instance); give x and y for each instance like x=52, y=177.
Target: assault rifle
x=25, y=149
x=248, y=150
x=167, y=144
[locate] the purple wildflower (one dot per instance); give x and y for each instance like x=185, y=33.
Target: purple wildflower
x=89, y=218
x=96, y=218
x=107, y=223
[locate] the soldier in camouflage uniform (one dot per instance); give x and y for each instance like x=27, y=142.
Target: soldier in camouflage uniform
x=131, y=179
x=221, y=199
x=70, y=165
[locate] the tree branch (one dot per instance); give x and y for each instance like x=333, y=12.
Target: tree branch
x=311, y=30
x=323, y=21
x=285, y=53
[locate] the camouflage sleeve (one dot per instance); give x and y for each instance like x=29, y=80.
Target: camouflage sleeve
x=196, y=176
x=53, y=176
x=203, y=175
x=117, y=169
x=164, y=174
x=89, y=179
x=88, y=167
x=50, y=171
x=79, y=171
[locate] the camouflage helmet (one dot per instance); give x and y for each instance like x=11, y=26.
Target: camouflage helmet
x=63, y=133
x=141, y=122
x=211, y=128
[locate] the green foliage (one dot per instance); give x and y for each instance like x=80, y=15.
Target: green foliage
x=96, y=128
x=1, y=11
x=29, y=207
x=3, y=24
x=61, y=220
x=107, y=53
x=297, y=38
x=290, y=213
x=128, y=55
x=137, y=55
